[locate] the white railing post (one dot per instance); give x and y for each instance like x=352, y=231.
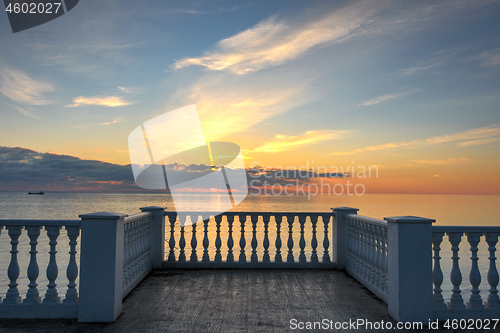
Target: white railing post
x=409, y=256
x=340, y=235
x=101, y=267
x=157, y=234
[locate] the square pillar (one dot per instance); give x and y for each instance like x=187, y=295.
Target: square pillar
x=409, y=264
x=101, y=267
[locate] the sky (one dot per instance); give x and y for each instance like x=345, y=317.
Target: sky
x=409, y=88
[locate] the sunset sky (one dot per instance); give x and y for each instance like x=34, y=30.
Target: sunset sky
x=411, y=87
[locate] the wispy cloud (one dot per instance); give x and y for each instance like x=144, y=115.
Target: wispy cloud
x=110, y=101
x=452, y=160
x=229, y=104
x=25, y=112
x=490, y=58
x=107, y=46
x=21, y=88
x=116, y=120
x=480, y=135
x=132, y=90
x=273, y=42
x=286, y=142
x=479, y=142
x=383, y=98
x=416, y=69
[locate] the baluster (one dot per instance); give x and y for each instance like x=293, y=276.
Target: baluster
x=134, y=251
x=72, y=270
x=182, y=240
x=384, y=259
x=218, y=242
x=142, y=244
x=437, y=273
x=243, y=256
x=126, y=254
x=493, y=301
x=51, y=296
x=290, y=218
x=171, y=243
x=230, y=242
x=302, y=241
x=364, y=251
x=130, y=251
x=277, y=258
x=475, y=301
x=194, y=242
x=12, y=295
x=326, y=242
x=378, y=256
x=373, y=254
x=354, y=243
x=369, y=252
x=314, y=241
x=254, y=219
x=265, y=219
x=206, y=257
x=456, y=301
x=32, y=295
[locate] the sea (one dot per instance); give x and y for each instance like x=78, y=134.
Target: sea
x=460, y=210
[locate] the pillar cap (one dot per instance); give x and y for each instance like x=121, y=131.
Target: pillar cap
x=408, y=219
x=103, y=216
x=345, y=209
x=151, y=208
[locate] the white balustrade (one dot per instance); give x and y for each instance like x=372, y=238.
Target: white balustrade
x=388, y=256
x=367, y=252
x=33, y=305
x=137, y=249
x=479, y=305
x=253, y=251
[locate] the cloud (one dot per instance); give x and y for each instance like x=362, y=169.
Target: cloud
x=26, y=113
x=132, y=90
x=485, y=134
x=25, y=169
x=273, y=42
x=107, y=46
x=444, y=161
x=19, y=87
x=110, y=101
x=490, y=58
x=116, y=120
x=285, y=142
x=416, y=69
x=229, y=104
x=383, y=98
x=479, y=142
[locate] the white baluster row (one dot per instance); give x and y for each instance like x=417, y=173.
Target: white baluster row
x=475, y=301
x=32, y=295
x=137, y=245
x=254, y=220
x=367, y=251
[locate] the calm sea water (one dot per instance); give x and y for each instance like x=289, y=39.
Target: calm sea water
x=445, y=209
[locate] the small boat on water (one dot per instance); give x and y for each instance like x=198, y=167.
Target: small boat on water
x=38, y=192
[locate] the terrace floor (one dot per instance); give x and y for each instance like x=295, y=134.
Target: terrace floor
x=230, y=301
